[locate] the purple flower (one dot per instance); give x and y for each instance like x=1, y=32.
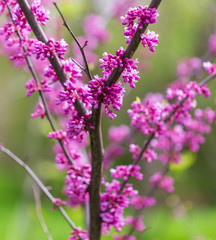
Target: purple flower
x=77, y=233
x=118, y=134
x=150, y=39
x=143, y=15
x=40, y=13
x=53, y=47
x=112, y=95
x=124, y=171
x=77, y=181
x=162, y=182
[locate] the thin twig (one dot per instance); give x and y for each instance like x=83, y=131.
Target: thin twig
x=86, y=69
x=78, y=64
x=39, y=212
x=34, y=75
x=54, y=61
x=39, y=183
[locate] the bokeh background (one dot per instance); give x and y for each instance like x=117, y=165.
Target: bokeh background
x=188, y=214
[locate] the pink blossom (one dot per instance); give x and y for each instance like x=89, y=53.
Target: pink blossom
x=112, y=95
x=113, y=204
x=40, y=13
x=57, y=203
x=53, y=47
x=150, y=39
x=212, y=43
x=143, y=15
x=60, y=134
x=94, y=25
x=124, y=171
x=162, y=182
x=118, y=134
x=137, y=223
x=39, y=111
x=209, y=67
x=77, y=233
x=139, y=202
x=77, y=182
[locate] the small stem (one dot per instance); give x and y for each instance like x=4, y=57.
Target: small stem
x=76, y=40
x=39, y=183
x=78, y=64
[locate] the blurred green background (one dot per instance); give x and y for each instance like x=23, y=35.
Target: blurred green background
x=188, y=214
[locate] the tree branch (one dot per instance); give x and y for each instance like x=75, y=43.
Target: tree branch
x=97, y=155
x=131, y=49
x=39, y=183
x=54, y=61
x=96, y=141
x=34, y=75
x=151, y=136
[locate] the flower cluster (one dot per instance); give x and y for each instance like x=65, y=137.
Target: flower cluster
x=77, y=182
x=139, y=202
x=60, y=134
x=162, y=182
x=43, y=51
x=78, y=234
x=33, y=86
x=112, y=95
x=148, y=155
x=150, y=39
x=113, y=204
x=143, y=15
x=71, y=69
x=209, y=67
x=41, y=14
x=39, y=111
x=130, y=73
x=124, y=171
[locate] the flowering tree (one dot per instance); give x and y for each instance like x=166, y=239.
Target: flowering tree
x=70, y=94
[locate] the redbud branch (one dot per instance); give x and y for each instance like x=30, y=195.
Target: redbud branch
x=97, y=155
x=204, y=82
x=151, y=136
x=39, y=212
x=34, y=75
x=54, y=61
x=39, y=183
x=165, y=169
x=131, y=49
x=86, y=69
